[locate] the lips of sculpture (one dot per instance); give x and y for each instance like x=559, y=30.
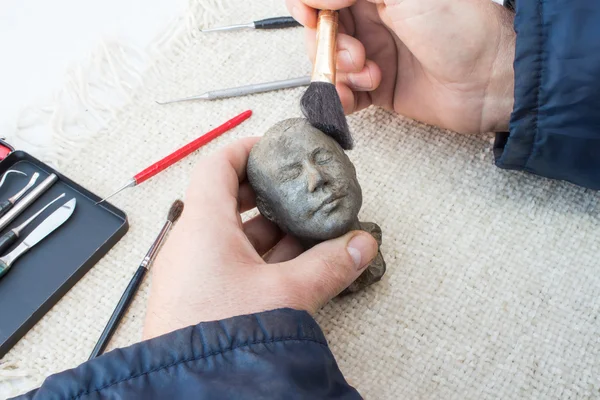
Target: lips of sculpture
x=330, y=204
x=334, y=215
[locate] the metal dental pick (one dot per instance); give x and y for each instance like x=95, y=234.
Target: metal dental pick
x=245, y=90
x=268, y=23
x=6, y=205
x=182, y=152
x=8, y=172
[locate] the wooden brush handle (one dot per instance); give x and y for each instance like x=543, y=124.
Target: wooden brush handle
x=327, y=28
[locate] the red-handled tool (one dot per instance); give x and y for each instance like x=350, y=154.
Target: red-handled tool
x=182, y=152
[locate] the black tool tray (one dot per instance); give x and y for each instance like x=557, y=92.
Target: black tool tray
x=39, y=278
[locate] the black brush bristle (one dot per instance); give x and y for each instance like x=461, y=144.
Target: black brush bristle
x=175, y=211
x=322, y=107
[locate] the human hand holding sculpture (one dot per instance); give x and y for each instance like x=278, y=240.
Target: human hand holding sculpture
x=213, y=266
x=443, y=62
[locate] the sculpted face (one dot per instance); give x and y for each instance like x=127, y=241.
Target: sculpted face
x=304, y=181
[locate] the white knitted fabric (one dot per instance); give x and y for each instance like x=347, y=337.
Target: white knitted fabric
x=493, y=277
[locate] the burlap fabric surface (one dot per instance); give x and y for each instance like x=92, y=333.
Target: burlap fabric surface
x=493, y=277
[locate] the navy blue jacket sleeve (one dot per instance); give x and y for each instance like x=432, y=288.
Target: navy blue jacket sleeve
x=555, y=124
x=280, y=354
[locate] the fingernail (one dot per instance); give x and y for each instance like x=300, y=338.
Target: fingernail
x=346, y=57
x=354, y=82
x=360, y=249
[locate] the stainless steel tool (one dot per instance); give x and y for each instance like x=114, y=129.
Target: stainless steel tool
x=10, y=237
x=45, y=228
x=245, y=90
x=10, y=171
x=6, y=205
x=27, y=201
x=267, y=23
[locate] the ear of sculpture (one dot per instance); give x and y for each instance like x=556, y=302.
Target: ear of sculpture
x=265, y=209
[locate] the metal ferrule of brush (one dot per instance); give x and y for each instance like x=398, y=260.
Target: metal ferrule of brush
x=153, y=252
x=324, y=69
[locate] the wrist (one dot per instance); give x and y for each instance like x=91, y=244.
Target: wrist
x=499, y=98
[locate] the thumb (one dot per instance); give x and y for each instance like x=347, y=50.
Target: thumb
x=323, y=272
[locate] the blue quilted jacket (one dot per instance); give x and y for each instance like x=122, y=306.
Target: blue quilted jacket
x=282, y=354
x=555, y=124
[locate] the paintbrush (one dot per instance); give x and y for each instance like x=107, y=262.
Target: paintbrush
x=174, y=214
x=321, y=103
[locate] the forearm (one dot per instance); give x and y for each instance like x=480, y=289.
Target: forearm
x=499, y=98
x=276, y=354
x=554, y=124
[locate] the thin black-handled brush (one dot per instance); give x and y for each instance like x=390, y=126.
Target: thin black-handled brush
x=321, y=103
x=174, y=214
x=268, y=23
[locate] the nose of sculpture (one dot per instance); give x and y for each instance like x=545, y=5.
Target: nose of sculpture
x=316, y=178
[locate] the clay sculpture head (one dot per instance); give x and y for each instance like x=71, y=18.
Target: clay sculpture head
x=304, y=181
x=306, y=184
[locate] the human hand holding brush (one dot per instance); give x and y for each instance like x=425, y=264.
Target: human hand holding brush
x=443, y=62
